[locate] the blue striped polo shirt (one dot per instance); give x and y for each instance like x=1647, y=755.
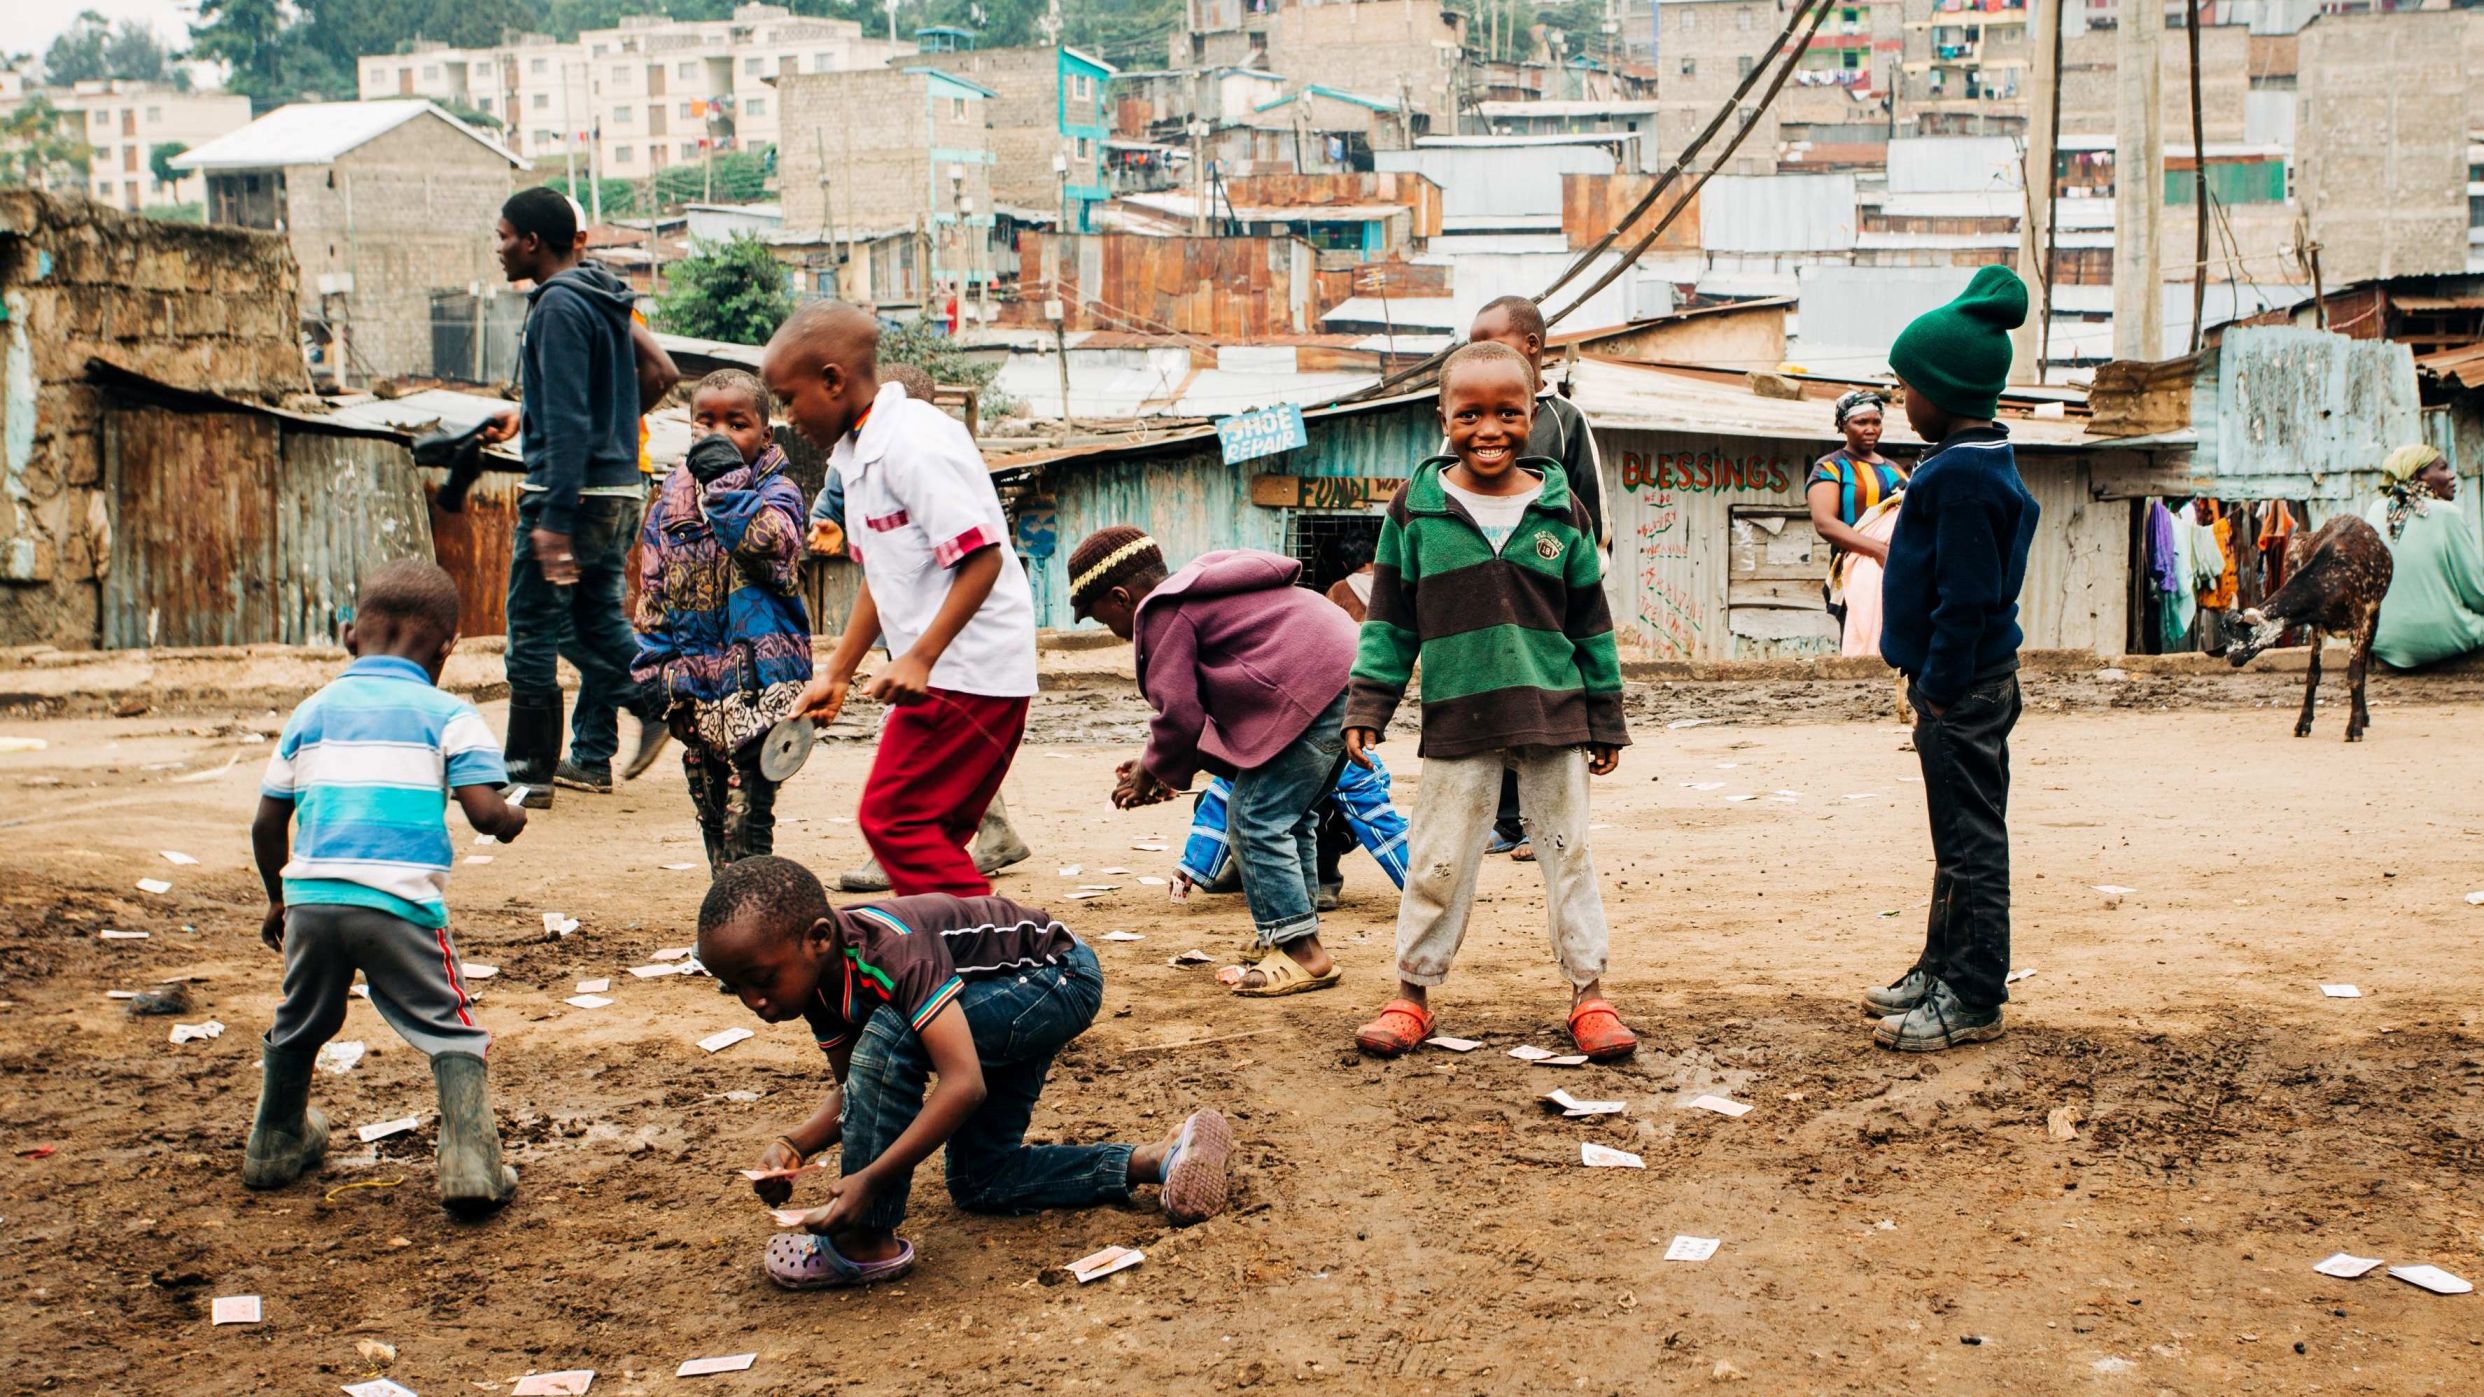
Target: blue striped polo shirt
x=368, y=763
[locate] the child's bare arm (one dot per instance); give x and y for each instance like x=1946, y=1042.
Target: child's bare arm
x=825, y=697
x=271, y=845
x=956, y=1094
x=489, y=813
x=794, y=1148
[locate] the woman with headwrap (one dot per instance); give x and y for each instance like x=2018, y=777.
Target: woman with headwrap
x=1846, y=485
x=2435, y=606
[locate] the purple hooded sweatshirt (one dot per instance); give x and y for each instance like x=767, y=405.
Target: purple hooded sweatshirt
x=1236, y=660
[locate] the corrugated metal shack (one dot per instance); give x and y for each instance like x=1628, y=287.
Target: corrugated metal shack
x=234, y=523
x=1229, y=290
x=1713, y=552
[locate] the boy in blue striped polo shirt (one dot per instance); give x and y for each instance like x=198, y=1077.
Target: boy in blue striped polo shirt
x=363, y=770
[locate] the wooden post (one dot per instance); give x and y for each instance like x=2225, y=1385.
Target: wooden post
x=2027, y=347
x=2138, y=187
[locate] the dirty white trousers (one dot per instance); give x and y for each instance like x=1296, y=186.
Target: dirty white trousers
x=1453, y=818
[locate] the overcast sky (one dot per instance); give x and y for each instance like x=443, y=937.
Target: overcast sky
x=44, y=19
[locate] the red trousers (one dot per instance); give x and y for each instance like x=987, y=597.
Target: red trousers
x=939, y=765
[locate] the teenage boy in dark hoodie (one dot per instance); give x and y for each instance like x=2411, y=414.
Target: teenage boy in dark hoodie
x=1949, y=600
x=585, y=376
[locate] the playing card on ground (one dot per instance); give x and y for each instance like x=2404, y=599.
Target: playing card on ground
x=594, y=986
x=701, y=1367
x=1455, y=1045
x=789, y=1217
x=2346, y=1267
x=2432, y=1278
x=114, y=934
x=1572, y=1106
x=2341, y=992
x=378, y=1387
x=1097, y=1265
x=381, y=1130
x=1123, y=936
x=1564, y=1060
x=234, y=1309
x=1596, y=1156
x=176, y=856
x=672, y=953
x=722, y=1039
x=587, y=1001
x=1687, y=1248
x=572, y=1382
x=1528, y=1052
x=154, y=885
x=1721, y=1105
x=477, y=970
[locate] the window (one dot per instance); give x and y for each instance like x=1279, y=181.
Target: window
x=545, y=140
x=621, y=116
x=819, y=63
x=1742, y=65
x=624, y=155
x=431, y=72
x=1085, y=150
x=957, y=108
x=1690, y=67
x=1742, y=20
x=689, y=150
x=1081, y=88
x=99, y=117
x=543, y=101
x=687, y=68
x=129, y=192
x=621, y=75
x=103, y=189
x=751, y=66
x=1687, y=17
x=155, y=114
x=600, y=51
x=754, y=106
x=539, y=66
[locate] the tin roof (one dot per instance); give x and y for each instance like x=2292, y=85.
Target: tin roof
x=316, y=133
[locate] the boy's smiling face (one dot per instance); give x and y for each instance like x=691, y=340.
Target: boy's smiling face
x=734, y=414
x=1487, y=407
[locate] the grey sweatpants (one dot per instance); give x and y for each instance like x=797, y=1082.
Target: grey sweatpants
x=412, y=971
x=1453, y=816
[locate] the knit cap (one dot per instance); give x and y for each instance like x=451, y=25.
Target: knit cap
x=1958, y=355
x=1104, y=559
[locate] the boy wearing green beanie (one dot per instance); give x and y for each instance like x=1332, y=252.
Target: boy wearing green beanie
x=1949, y=600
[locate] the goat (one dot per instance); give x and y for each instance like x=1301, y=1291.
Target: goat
x=2338, y=575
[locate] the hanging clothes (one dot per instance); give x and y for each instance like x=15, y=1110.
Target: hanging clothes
x=2182, y=601
x=2276, y=532
x=2161, y=567
x=2217, y=586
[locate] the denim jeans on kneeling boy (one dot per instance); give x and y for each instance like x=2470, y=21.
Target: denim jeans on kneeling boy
x=1019, y=1021
x=1274, y=818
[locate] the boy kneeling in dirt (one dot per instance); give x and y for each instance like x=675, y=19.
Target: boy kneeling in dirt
x=361, y=771
x=976, y=990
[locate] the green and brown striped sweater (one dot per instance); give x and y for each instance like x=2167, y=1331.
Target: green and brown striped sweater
x=1517, y=648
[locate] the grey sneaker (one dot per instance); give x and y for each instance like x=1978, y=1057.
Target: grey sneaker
x=867, y=879
x=1897, y=998
x=583, y=778
x=1938, y=1023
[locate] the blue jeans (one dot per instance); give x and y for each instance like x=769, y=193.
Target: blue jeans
x=1274, y=819
x=1360, y=796
x=583, y=624
x=1019, y=1023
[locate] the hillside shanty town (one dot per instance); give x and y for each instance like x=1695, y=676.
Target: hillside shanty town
x=678, y=680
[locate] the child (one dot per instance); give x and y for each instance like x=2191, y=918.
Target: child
x=1949, y=623
x=362, y=768
x=939, y=581
x=1356, y=810
x=723, y=633
x=1488, y=572
x=1247, y=674
x=978, y=991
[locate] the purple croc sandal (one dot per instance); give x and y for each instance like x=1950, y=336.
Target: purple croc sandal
x=806, y=1261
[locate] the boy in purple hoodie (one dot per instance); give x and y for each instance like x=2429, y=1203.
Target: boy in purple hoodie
x=1247, y=674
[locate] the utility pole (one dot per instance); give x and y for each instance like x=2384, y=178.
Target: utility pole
x=2027, y=347
x=2138, y=186
x=2199, y=184
x=1198, y=172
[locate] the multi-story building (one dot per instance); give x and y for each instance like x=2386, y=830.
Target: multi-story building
x=898, y=151
x=1049, y=118
x=125, y=122
x=1409, y=52
x=647, y=94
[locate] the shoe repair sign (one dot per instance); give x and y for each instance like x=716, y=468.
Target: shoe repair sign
x=1247, y=436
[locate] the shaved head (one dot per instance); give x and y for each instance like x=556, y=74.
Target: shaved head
x=823, y=364
x=830, y=331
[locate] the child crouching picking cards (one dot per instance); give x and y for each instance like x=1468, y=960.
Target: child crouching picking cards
x=978, y=991
x=1488, y=572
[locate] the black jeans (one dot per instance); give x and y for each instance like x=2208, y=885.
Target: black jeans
x=583, y=624
x=1966, y=790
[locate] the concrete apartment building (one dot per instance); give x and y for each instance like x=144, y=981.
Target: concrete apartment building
x=2381, y=143
x=646, y=94
x=1409, y=52
x=1048, y=105
x=385, y=203
x=124, y=122
x=898, y=151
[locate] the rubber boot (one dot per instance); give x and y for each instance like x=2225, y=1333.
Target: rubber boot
x=534, y=745
x=870, y=878
x=997, y=846
x=289, y=1136
x=473, y=1181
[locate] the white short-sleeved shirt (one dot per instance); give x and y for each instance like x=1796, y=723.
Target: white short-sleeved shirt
x=918, y=500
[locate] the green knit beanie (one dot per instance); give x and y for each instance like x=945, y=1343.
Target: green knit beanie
x=1958, y=355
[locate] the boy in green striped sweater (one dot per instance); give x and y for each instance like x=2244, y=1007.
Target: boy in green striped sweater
x=1487, y=572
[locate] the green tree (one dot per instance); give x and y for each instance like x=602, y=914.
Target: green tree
x=920, y=342
x=34, y=149
x=248, y=36
x=160, y=158
x=77, y=55
x=732, y=291
x=620, y=196
x=134, y=52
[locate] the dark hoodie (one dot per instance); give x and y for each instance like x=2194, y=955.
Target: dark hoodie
x=579, y=377
x=1237, y=661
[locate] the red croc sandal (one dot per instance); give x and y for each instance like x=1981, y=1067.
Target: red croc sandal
x=1599, y=1032
x=1401, y=1026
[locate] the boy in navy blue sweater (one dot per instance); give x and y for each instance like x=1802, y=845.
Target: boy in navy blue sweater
x=1949, y=602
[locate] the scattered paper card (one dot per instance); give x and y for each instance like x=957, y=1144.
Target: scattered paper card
x=1111, y=872
x=701, y=1367
x=341, y=1057
x=1455, y=1045
x=558, y=925
x=2432, y=1278
x=1528, y=1052
x=234, y=1309
x=1596, y=1156
x=1572, y=1106
x=722, y=1039
x=649, y=972
x=1565, y=1060
x=378, y=1387
x=1191, y=958
x=788, y=1217
x=2017, y=975
x=2114, y=890
x=1095, y=1266
x=1072, y=870
x=175, y=856
x=1743, y=797
x=192, y=1032
x=1081, y=897
x=154, y=885
x=477, y=970
x=478, y=858
x=120, y=994
x=115, y=934
x=587, y=1001
x=2346, y=1267
x=2475, y=899
x=594, y=986
x=1149, y=848
x=1688, y=1248
x=359, y=991
x=482, y=839
x=755, y=1175
x=1123, y=936
x=1099, y=887
x=572, y=1383
x=672, y=953
x=2341, y=991
x=678, y=867
x=1151, y=882
x=1723, y=1106
x=1679, y=724
x=381, y=1130
x=1705, y=785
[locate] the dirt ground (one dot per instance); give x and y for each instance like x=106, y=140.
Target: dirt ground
x=1424, y=1226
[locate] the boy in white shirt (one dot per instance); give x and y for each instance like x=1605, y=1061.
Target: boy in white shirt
x=939, y=581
